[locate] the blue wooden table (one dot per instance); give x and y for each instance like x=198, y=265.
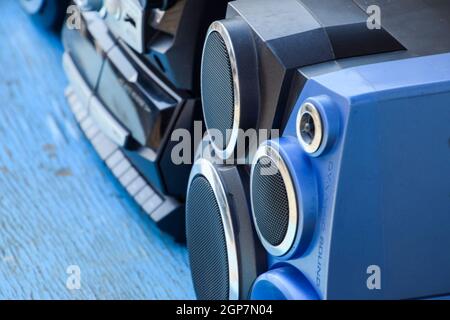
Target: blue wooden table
x=59, y=205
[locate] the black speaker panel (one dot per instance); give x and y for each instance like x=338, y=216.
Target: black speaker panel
x=225, y=254
x=286, y=36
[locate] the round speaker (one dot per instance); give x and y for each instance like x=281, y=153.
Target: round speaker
x=274, y=202
x=224, y=254
x=229, y=83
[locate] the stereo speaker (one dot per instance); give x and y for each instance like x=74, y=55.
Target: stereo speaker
x=351, y=202
x=224, y=253
x=250, y=58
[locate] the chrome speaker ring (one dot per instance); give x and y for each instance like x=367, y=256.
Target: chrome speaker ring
x=286, y=244
x=206, y=169
x=239, y=45
x=309, y=118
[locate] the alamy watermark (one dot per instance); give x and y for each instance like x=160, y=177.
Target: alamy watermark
x=374, y=280
x=73, y=281
x=374, y=19
x=191, y=145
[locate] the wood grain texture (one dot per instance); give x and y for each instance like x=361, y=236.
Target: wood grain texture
x=59, y=205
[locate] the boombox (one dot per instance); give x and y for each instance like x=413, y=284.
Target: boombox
x=351, y=202
x=133, y=81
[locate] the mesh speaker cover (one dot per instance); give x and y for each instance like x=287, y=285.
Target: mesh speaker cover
x=217, y=86
x=270, y=202
x=206, y=242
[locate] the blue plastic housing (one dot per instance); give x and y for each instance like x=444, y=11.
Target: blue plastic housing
x=382, y=186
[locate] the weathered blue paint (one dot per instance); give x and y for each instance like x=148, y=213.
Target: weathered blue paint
x=59, y=205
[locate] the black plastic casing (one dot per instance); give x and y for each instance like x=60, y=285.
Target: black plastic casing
x=175, y=41
x=298, y=33
x=127, y=88
x=252, y=257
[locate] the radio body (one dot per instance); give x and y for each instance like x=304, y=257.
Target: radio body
x=128, y=107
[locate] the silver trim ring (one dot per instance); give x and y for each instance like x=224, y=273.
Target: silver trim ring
x=269, y=151
x=314, y=145
x=225, y=153
x=205, y=168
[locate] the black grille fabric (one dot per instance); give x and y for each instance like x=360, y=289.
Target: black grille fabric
x=217, y=86
x=206, y=242
x=270, y=202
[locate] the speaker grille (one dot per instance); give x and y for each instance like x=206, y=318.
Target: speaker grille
x=270, y=202
x=206, y=242
x=217, y=86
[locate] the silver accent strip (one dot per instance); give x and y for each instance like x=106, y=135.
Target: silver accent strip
x=121, y=168
x=130, y=175
x=309, y=109
x=205, y=168
x=266, y=150
x=125, y=18
x=143, y=195
x=99, y=31
x=103, y=119
x=152, y=203
x=103, y=145
x=227, y=152
x=76, y=80
x=114, y=159
x=142, y=192
x=136, y=186
x=109, y=126
x=119, y=60
x=156, y=206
